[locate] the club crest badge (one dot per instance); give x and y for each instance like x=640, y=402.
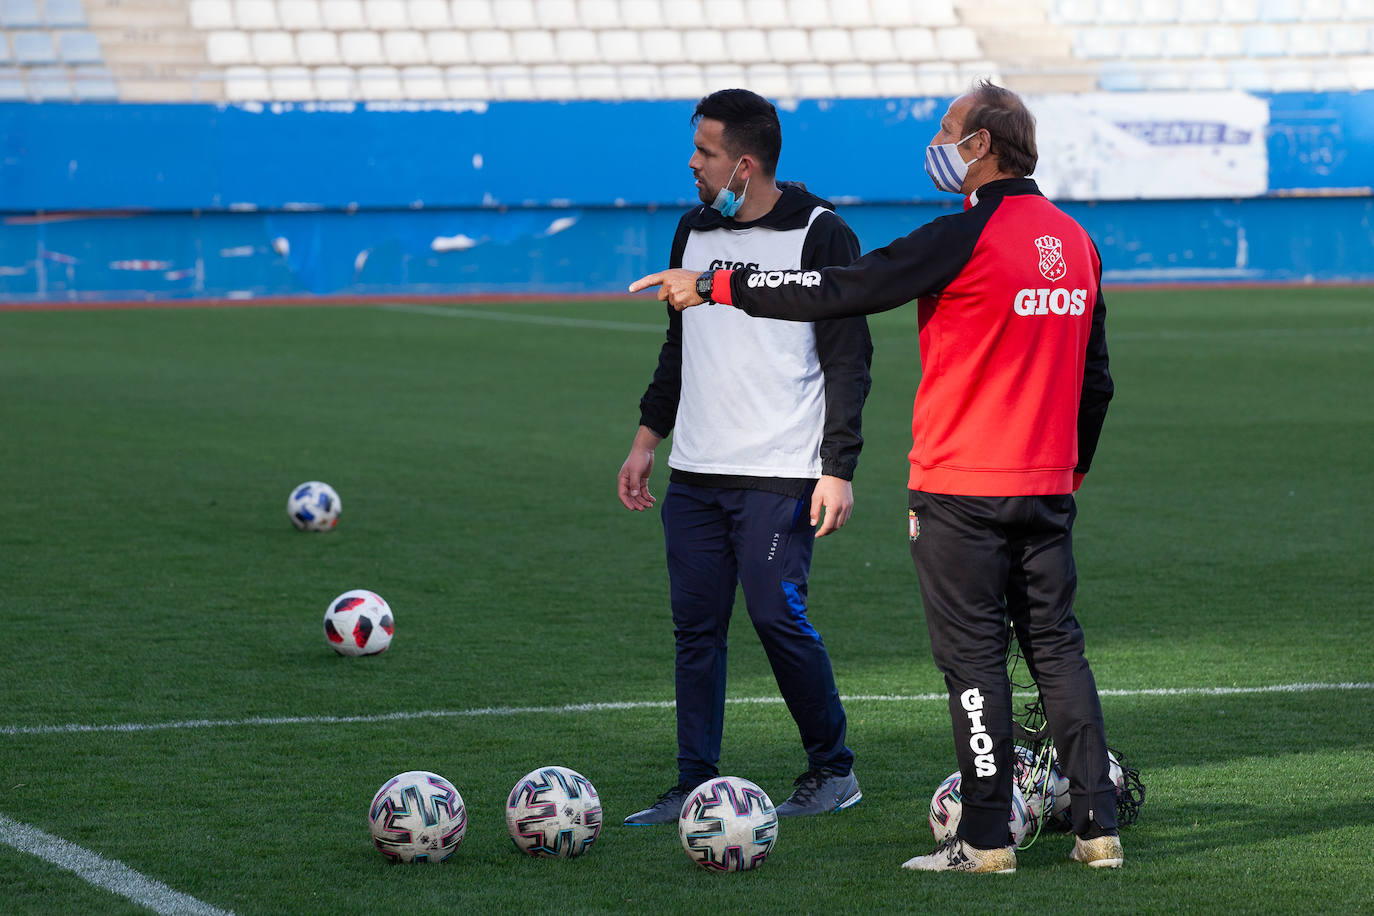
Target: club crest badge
x=914, y=524
x=1052, y=265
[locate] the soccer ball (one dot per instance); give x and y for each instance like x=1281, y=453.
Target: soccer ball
x=359, y=622
x=728, y=824
x=947, y=804
x=1042, y=785
x=553, y=812
x=417, y=816
x=314, y=506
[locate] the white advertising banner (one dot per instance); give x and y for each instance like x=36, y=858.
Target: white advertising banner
x=1127, y=145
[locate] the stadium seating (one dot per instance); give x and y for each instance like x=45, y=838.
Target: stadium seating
x=611, y=49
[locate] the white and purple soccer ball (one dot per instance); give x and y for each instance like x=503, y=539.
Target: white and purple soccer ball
x=553, y=813
x=1042, y=785
x=947, y=806
x=359, y=622
x=728, y=824
x=417, y=816
x=314, y=506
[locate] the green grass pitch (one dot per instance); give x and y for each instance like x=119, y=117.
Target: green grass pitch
x=148, y=575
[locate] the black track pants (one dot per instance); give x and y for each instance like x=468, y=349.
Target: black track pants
x=981, y=561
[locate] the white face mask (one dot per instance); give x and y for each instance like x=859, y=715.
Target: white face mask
x=725, y=201
x=946, y=167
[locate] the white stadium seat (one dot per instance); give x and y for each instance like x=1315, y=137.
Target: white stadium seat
x=681, y=14
x=50, y=84
x=212, y=14
x=448, y=47
x=704, y=46
x=1290, y=75
x=771, y=81
x=5, y=57
x=300, y=15
x=423, y=83
x=682, y=81
x=1116, y=12
x=1345, y=41
x=245, y=84
x=619, y=46
x=471, y=14
x=1306, y=40
x=1361, y=73
x=94, y=84
x=1323, y=10
x=662, y=46
x=766, y=14
x=533, y=46
x=873, y=45
x=552, y=81
x=1141, y=42
x=21, y=14
x=747, y=46
x=808, y=14
x=576, y=46
x=228, y=48
x=1181, y=41
x=1263, y=41
x=854, y=80
x=1120, y=76
x=256, y=14
x=78, y=48
x=360, y=49
x=1164, y=79
x=854, y=14
x=725, y=76
x=936, y=13
x=291, y=84
x=382, y=15
x=467, y=82
x=12, y=87
x=1329, y=75
x=428, y=14
x=1280, y=11
x=1207, y=76
x=491, y=46
x=645, y=14
x=813, y=81
x=915, y=44
x=1097, y=44
x=596, y=81
x=1241, y=11
x=1159, y=12
x=318, y=48
x=335, y=83
x=939, y=78
x=514, y=14
x=1074, y=12
x=556, y=14
x=896, y=80
x=342, y=14
x=599, y=14
x=639, y=81
x=957, y=43
x=789, y=46
x=379, y=83
x=1221, y=41
x=273, y=48
x=404, y=48
x=832, y=45
x=724, y=14
x=510, y=81
x=1201, y=11
x=894, y=14
x=64, y=14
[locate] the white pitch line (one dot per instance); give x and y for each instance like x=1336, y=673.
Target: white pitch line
x=102, y=872
x=73, y=728
x=517, y=318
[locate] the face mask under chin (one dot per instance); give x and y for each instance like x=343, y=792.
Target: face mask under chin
x=725, y=201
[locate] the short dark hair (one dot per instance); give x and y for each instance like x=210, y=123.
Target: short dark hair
x=1010, y=124
x=751, y=124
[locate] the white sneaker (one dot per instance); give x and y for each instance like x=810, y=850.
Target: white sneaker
x=955, y=855
x=1102, y=852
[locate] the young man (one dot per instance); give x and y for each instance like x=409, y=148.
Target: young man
x=1012, y=398
x=765, y=418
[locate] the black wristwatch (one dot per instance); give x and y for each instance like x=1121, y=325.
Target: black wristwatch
x=704, y=281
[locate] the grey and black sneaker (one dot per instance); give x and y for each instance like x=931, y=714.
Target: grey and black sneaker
x=820, y=792
x=664, y=811
x=953, y=854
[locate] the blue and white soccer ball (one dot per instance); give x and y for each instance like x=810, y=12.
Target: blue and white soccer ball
x=728, y=824
x=553, y=813
x=359, y=622
x=417, y=816
x=314, y=506
x=947, y=806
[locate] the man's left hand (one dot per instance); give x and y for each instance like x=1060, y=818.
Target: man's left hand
x=677, y=287
x=834, y=497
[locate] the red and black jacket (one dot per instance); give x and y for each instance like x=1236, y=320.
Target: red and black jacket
x=1015, y=380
